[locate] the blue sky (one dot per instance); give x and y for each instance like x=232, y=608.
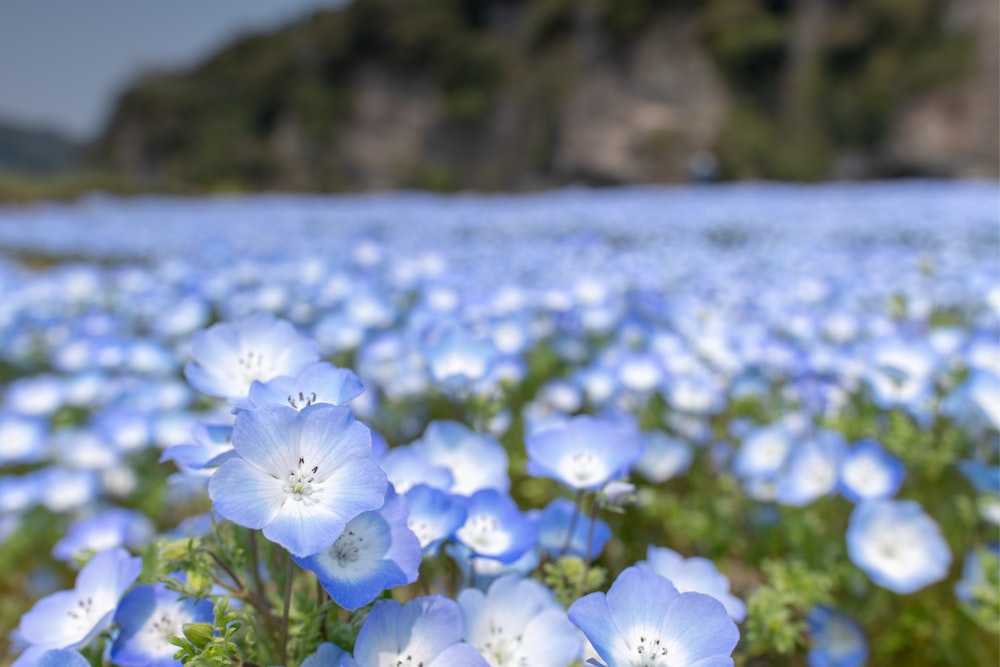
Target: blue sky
x=62, y=62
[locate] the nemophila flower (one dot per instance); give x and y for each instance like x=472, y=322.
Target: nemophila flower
x=663, y=457
x=897, y=545
x=868, y=472
x=763, y=452
x=980, y=570
x=213, y=445
x=62, y=489
x=22, y=439
x=434, y=516
x=518, y=622
x=425, y=632
x=115, y=527
x=836, y=640
x=38, y=396
x=698, y=575
x=71, y=619
x=320, y=382
x=406, y=468
x=457, y=359
x=328, y=655
x=480, y=572
x=584, y=453
x=495, y=528
x=227, y=358
x=37, y=656
x=301, y=475
x=376, y=551
x=553, y=524
x=811, y=469
x=147, y=618
x=643, y=621
x=476, y=461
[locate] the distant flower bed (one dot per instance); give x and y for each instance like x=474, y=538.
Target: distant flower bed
x=747, y=425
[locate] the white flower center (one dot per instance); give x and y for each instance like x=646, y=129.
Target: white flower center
x=500, y=649
x=302, y=399
x=299, y=483
x=347, y=549
x=650, y=652
x=423, y=530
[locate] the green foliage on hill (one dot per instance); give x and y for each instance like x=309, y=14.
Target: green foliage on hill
x=223, y=125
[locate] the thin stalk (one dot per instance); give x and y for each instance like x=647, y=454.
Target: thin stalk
x=590, y=540
x=255, y=563
x=289, y=571
x=572, y=523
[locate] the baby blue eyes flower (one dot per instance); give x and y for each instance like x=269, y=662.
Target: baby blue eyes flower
x=148, y=617
x=375, y=552
x=897, y=545
x=301, y=475
x=518, y=622
x=837, y=641
x=643, y=621
x=868, y=472
x=495, y=528
x=698, y=575
x=316, y=383
x=228, y=358
x=425, y=632
x=434, y=516
x=584, y=452
x=552, y=525
x=71, y=619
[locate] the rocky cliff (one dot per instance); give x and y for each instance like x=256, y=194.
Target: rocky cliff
x=514, y=94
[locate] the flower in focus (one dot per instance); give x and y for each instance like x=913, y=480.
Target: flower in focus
x=643, y=621
x=301, y=475
x=698, y=575
x=375, y=552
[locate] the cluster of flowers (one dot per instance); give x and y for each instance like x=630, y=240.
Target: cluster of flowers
x=754, y=369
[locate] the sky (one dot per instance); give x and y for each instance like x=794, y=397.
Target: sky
x=63, y=62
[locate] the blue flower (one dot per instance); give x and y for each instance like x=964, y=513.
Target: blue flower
x=115, y=527
x=868, y=472
x=476, y=461
x=71, y=619
x=37, y=656
x=644, y=621
x=811, y=470
x=584, y=452
x=148, y=617
x=837, y=641
x=897, y=545
x=518, y=622
x=376, y=551
x=328, y=655
x=301, y=475
x=320, y=382
x=227, y=358
x=495, y=528
x=552, y=525
x=426, y=631
x=434, y=516
x=697, y=575
x=664, y=457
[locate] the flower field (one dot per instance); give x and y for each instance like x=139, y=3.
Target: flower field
x=750, y=425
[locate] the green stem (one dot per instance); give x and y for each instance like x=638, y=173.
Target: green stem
x=572, y=524
x=289, y=571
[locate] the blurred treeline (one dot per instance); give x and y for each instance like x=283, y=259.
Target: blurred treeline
x=514, y=94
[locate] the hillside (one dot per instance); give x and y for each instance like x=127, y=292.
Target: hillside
x=512, y=94
x=32, y=151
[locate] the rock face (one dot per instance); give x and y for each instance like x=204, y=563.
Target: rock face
x=955, y=129
x=512, y=94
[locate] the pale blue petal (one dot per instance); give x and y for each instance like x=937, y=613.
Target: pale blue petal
x=697, y=627
x=459, y=655
x=245, y=495
x=267, y=438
